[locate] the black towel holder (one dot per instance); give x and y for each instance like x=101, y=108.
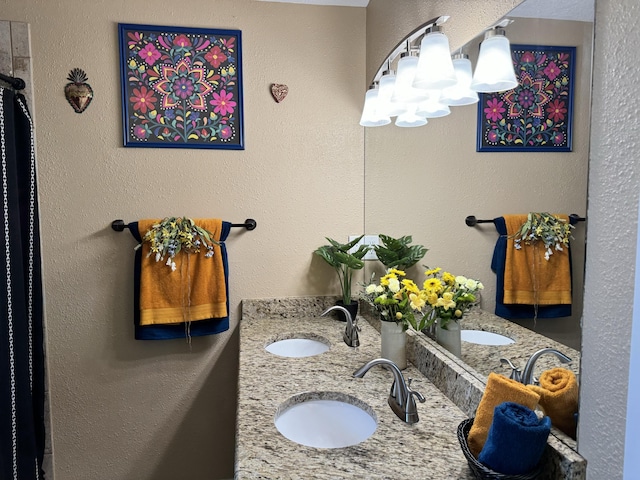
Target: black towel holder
x=472, y=221
x=16, y=83
x=249, y=224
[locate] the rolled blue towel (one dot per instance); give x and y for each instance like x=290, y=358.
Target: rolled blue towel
x=516, y=439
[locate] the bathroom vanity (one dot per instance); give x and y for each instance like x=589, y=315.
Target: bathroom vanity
x=426, y=449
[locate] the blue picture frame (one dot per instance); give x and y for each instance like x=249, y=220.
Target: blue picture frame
x=537, y=115
x=181, y=87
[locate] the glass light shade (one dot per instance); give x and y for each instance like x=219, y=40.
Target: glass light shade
x=387, y=85
x=435, y=69
x=460, y=93
x=409, y=119
x=433, y=107
x=494, y=70
x=370, y=115
x=405, y=73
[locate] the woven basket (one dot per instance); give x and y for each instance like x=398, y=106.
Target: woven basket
x=480, y=471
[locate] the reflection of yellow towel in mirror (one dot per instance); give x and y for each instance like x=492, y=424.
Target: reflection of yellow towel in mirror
x=558, y=392
x=195, y=291
x=530, y=279
x=499, y=389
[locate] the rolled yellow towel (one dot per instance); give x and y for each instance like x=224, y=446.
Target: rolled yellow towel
x=558, y=392
x=499, y=389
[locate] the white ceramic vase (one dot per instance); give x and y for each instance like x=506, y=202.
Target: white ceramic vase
x=394, y=343
x=449, y=338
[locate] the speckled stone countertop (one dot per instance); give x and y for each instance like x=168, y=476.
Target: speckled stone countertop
x=428, y=449
x=486, y=360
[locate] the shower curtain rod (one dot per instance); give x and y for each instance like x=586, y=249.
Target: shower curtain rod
x=249, y=224
x=15, y=82
x=471, y=220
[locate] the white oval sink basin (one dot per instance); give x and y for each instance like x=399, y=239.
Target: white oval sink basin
x=325, y=420
x=485, y=338
x=299, y=345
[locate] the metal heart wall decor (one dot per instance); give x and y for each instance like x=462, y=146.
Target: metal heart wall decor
x=78, y=93
x=279, y=91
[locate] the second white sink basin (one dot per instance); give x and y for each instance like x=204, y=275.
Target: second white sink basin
x=302, y=345
x=325, y=420
x=481, y=337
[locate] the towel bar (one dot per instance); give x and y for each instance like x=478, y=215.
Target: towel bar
x=15, y=82
x=249, y=224
x=471, y=220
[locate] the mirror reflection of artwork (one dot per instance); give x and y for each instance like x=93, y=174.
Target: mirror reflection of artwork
x=181, y=87
x=537, y=114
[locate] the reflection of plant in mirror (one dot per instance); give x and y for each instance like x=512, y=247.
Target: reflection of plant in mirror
x=448, y=296
x=397, y=253
x=552, y=230
x=344, y=262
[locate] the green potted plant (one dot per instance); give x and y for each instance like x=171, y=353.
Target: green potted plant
x=344, y=261
x=398, y=253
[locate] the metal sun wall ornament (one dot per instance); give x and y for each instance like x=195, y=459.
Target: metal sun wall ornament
x=279, y=91
x=78, y=93
x=181, y=87
x=537, y=115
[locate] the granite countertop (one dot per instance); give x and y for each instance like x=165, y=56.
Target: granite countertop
x=428, y=449
x=486, y=360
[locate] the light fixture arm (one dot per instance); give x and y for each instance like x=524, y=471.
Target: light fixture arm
x=407, y=43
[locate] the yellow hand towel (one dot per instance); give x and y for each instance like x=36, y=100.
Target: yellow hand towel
x=196, y=290
x=499, y=389
x=529, y=279
x=558, y=392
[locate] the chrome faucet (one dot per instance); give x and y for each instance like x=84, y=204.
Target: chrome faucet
x=350, y=335
x=526, y=376
x=401, y=396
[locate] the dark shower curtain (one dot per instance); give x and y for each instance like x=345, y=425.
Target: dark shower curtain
x=22, y=431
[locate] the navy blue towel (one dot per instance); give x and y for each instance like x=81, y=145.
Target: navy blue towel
x=517, y=311
x=516, y=440
x=165, y=332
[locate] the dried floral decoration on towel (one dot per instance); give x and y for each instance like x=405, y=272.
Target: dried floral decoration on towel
x=173, y=234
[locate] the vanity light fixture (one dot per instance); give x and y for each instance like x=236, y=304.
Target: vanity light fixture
x=404, y=91
x=433, y=107
x=410, y=119
x=494, y=70
x=386, y=85
x=460, y=94
x=435, y=68
x=371, y=115
x=428, y=79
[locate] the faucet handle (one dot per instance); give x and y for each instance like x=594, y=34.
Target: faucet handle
x=516, y=373
x=415, y=393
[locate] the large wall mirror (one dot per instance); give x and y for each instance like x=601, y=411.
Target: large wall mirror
x=425, y=181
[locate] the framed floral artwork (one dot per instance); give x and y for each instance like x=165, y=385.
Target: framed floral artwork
x=537, y=115
x=181, y=87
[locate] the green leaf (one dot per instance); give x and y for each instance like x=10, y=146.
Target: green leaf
x=328, y=254
x=349, y=260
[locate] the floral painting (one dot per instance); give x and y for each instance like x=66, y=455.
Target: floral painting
x=537, y=114
x=181, y=87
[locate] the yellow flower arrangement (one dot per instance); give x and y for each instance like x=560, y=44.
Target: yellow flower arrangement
x=448, y=296
x=397, y=299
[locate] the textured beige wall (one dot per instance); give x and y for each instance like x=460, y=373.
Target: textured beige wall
x=434, y=179
x=165, y=410
x=614, y=187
